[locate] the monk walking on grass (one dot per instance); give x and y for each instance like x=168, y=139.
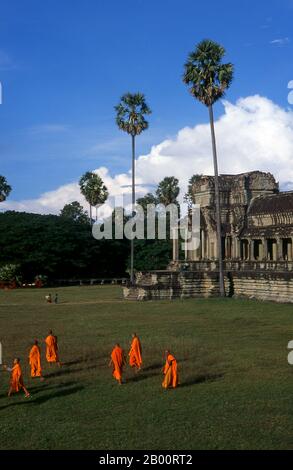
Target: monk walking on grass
x=16, y=379
x=52, y=349
x=170, y=372
x=35, y=360
x=135, y=359
x=117, y=362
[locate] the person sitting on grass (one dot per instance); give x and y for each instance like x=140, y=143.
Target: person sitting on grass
x=16, y=379
x=48, y=298
x=35, y=360
x=135, y=359
x=117, y=361
x=170, y=371
x=52, y=355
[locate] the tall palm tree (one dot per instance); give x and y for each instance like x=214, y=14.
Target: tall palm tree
x=130, y=118
x=92, y=187
x=168, y=190
x=5, y=188
x=208, y=79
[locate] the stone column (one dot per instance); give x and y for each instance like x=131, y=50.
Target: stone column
x=275, y=251
x=251, y=250
x=203, y=245
x=261, y=250
x=279, y=249
x=265, y=249
x=175, y=247
x=186, y=251
x=235, y=248
x=226, y=248
x=290, y=247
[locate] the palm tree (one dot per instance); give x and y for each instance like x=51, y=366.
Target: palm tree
x=130, y=118
x=146, y=200
x=208, y=79
x=168, y=190
x=5, y=188
x=92, y=187
x=74, y=211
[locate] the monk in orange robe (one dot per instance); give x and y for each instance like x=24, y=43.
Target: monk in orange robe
x=52, y=349
x=117, y=361
x=35, y=360
x=16, y=379
x=135, y=359
x=170, y=372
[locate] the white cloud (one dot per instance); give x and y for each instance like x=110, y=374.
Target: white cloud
x=253, y=134
x=280, y=41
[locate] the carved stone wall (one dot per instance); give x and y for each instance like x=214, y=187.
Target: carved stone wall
x=198, y=283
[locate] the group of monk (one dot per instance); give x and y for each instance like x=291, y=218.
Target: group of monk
x=34, y=358
x=118, y=361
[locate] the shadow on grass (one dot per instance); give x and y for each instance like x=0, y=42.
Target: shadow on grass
x=34, y=390
x=60, y=393
x=73, y=363
x=201, y=378
x=43, y=399
x=60, y=372
x=157, y=365
x=140, y=376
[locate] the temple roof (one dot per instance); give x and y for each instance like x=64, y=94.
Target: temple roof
x=271, y=204
x=268, y=232
x=255, y=180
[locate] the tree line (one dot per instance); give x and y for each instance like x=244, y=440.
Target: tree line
x=62, y=246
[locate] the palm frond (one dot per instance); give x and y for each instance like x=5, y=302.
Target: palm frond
x=130, y=113
x=205, y=74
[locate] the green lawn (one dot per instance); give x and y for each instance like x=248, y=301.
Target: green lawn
x=236, y=387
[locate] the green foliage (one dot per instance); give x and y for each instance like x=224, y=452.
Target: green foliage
x=152, y=254
x=5, y=189
x=149, y=198
x=93, y=189
x=189, y=196
x=75, y=212
x=205, y=73
x=131, y=113
x=57, y=247
x=9, y=272
x=168, y=190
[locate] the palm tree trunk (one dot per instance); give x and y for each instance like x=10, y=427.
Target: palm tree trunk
x=133, y=204
x=218, y=207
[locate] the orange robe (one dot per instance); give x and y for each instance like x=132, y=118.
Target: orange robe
x=118, y=362
x=16, y=380
x=35, y=361
x=135, y=359
x=51, y=349
x=170, y=371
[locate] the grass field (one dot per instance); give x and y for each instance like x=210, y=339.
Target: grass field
x=236, y=387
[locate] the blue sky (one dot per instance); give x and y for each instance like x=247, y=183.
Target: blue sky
x=64, y=65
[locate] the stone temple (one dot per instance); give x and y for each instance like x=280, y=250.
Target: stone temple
x=257, y=244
